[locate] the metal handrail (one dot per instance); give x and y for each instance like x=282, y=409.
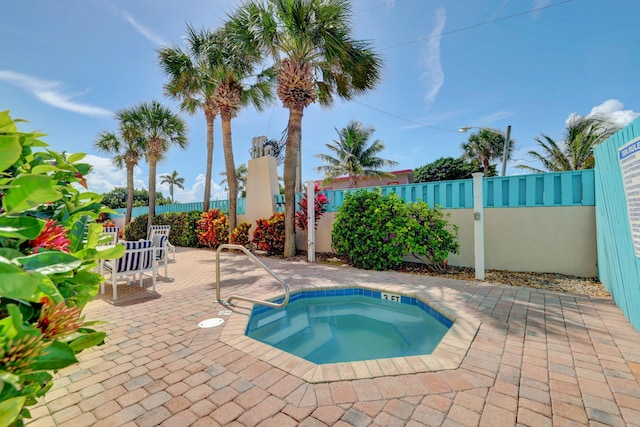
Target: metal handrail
x=253, y=258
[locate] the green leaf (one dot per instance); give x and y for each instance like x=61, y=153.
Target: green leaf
x=87, y=340
x=7, y=124
x=77, y=234
x=75, y=157
x=10, y=409
x=50, y=262
x=17, y=284
x=10, y=150
x=21, y=227
x=29, y=191
x=10, y=253
x=57, y=355
x=43, y=169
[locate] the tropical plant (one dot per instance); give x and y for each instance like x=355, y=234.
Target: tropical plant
x=48, y=240
x=269, y=234
x=483, y=147
x=315, y=56
x=127, y=152
x=447, y=168
x=355, y=156
x=192, y=82
x=117, y=198
x=213, y=229
x=240, y=234
x=375, y=232
x=241, y=179
x=172, y=180
x=582, y=135
x=159, y=128
x=319, y=207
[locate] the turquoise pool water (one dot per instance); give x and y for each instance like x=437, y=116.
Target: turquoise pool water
x=343, y=325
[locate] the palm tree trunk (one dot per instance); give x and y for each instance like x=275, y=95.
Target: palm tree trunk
x=353, y=181
x=230, y=166
x=210, y=117
x=153, y=160
x=485, y=166
x=290, y=162
x=127, y=218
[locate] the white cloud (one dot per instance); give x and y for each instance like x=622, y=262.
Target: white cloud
x=147, y=33
x=494, y=117
x=50, y=92
x=195, y=193
x=433, y=76
x=537, y=4
x=612, y=110
x=105, y=176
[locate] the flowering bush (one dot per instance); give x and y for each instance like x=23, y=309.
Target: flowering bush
x=320, y=207
x=240, y=234
x=213, y=229
x=48, y=250
x=269, y=234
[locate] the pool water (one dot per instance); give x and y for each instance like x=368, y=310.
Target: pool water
x=349, y=327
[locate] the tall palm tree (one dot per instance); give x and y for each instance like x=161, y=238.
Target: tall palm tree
x=311, y=44
x=159, y=128
x=484, y=147
x=233, y=68
x=355, y=156
x=173, y=179
x=582, y=135
x=127, y=153
x=192, y=82
x=241, y=178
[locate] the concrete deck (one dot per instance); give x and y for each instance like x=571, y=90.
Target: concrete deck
x=536, y=358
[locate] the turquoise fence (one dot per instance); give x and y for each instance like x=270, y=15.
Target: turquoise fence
x=618, y=267
x=574, y=188
x=223, y=205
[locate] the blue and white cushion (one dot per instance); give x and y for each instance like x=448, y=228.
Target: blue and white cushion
x=159, y=241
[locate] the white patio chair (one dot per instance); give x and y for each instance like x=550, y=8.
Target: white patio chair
x=163, y=230
x=110, y=235
x=161, y=243
x=139, y=258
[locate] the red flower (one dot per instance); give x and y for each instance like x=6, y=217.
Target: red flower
x=52, y=237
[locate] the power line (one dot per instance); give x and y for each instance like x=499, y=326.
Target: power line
x=402, y=118
x=469, y=27
x=373, y=7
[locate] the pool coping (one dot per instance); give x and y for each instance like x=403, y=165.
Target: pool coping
x=447, y=355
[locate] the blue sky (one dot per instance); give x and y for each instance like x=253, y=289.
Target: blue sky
x=68, y=66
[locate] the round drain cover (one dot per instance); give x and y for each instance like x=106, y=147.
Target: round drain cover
x=211, y=323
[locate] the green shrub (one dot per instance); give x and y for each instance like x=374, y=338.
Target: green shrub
x=375, y=232
x=48, y=240
x=269, y=234
x=213, y=229
x=136, y=229
x=240, y=234
x=183, y=227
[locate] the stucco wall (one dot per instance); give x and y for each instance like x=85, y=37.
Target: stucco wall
x=544, y=240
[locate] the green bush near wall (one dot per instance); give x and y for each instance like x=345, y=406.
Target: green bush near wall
x=183, y=227
x=374, y=232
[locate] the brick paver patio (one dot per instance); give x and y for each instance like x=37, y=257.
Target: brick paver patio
x=538, y=358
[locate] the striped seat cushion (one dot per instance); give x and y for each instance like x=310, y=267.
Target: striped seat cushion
x=160, y=241
x=133, y=261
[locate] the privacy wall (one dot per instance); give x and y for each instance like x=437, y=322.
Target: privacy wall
x=618, y=265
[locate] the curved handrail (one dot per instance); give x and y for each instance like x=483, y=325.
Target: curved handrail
x=253, y=258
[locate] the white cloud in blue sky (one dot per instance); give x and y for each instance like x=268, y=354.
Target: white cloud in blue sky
x=52, y=93
x=148, y=33
x=433, y=76
x=612, y=110
x=538, y=4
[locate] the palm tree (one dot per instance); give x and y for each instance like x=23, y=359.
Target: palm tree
x=355, y=156
x=311, y=44
x=171, y=180
x=234, y=64
x=582, y=135
x=241, y=178
x=484, y=147
x=192, y=82
x=127, y=153
x=159, y=128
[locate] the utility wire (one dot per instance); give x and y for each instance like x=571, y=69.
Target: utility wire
x=402, y=118
x=469, y=27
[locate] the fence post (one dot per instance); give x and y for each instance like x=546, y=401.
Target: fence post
x=478, y=225
x=311, y=222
